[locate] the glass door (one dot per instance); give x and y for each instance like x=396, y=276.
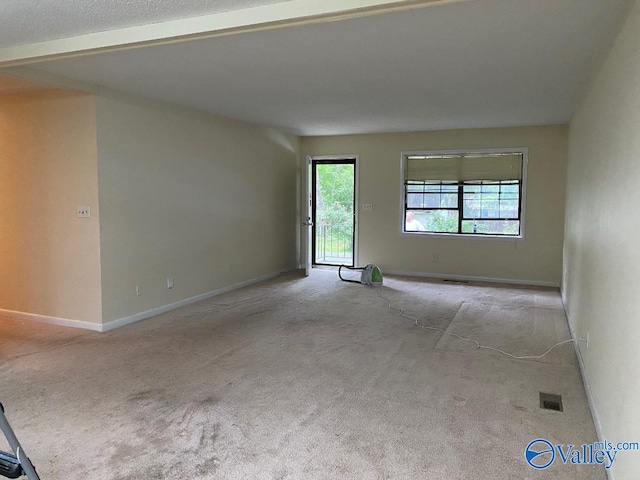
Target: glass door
x=333, y=211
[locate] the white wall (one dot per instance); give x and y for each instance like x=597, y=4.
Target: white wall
x=209, y=202
x=535, y=259
x=601, y=249
x=49, y=258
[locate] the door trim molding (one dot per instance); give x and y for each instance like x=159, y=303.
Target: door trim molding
x=356, y=193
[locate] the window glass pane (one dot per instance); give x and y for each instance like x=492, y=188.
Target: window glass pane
x=449, y=200
x=439, y=187
x=432, y=200
x=509, y=200
x=423, y=200
x=512, y=189
x=440, y=221
x=415, y=200
x=491, y=200
x=412, y=187
x=508, y=208
x=491, y=227
x=471, y=205
x=433, y=188
x=491, y=188
x=490, y=206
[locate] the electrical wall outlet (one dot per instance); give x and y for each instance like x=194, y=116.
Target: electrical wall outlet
x=367, y=206
x=83, y=211
x=436, y=258
x=169, y=282
x=138, y=290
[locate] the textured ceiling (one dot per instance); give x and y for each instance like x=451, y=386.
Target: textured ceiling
x=30, y=21
x=484, y=63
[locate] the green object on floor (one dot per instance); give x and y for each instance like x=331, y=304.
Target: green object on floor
x=371, y=275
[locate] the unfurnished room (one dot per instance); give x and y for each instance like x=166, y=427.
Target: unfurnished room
x=304, y=239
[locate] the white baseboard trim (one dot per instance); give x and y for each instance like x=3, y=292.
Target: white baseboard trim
x=62, y=322
x=121, y=322
x=585, y=381
x=534, y=283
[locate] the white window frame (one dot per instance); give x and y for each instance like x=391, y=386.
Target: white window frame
x=524, y=151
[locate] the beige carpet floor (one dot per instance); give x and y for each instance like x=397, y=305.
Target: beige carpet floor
x=302, y=378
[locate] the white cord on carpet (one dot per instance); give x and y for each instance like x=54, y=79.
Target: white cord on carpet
x=474, y=342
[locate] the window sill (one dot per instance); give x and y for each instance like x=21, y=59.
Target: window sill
x=462, y=235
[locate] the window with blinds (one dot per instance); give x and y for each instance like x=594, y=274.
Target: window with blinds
x=472, y=193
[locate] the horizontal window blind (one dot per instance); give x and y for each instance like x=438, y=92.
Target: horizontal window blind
x=456, y=168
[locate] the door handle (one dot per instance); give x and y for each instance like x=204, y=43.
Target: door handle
x=307, y=224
